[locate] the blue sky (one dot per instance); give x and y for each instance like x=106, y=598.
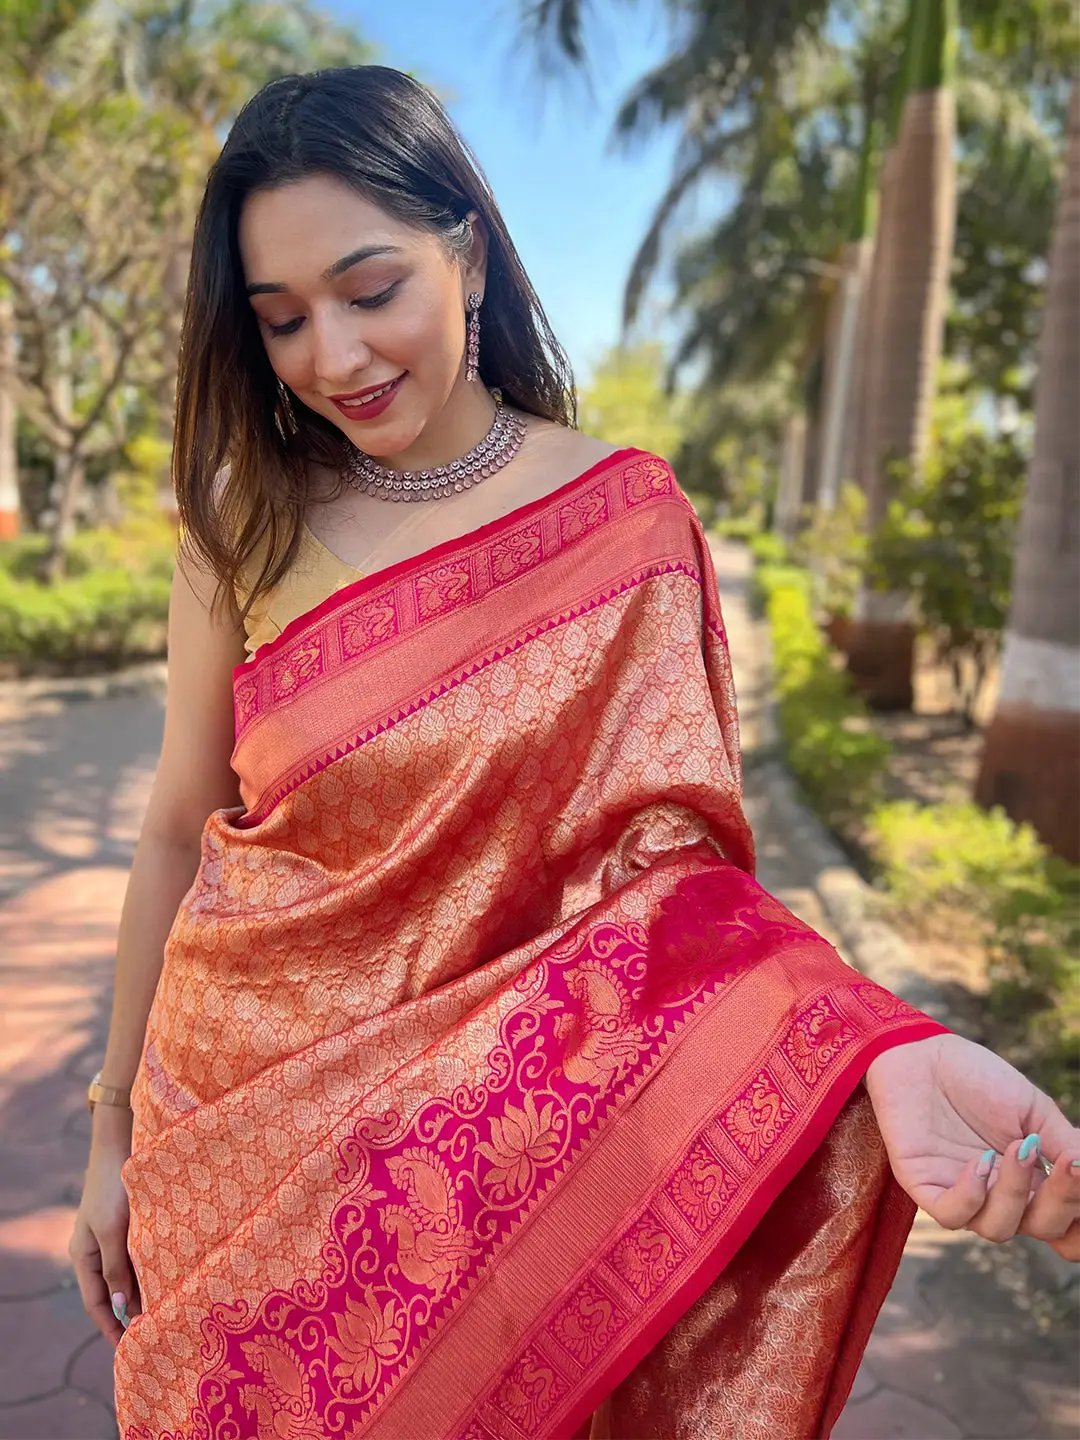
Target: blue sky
x=575, y=208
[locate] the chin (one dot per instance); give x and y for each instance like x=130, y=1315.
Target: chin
x=386, y=447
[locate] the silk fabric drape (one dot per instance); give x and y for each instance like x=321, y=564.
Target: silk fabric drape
x=485, y=1093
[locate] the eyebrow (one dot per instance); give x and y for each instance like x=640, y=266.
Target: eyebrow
x=366, y=252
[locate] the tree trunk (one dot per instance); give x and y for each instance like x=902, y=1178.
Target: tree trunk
x=1031, y=757
x=9, y=455
x=792, y=472
x=70, y=472
x=67, y=472
x=916, y=241
x=839, y=406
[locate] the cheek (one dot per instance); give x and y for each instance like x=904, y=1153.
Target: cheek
x=422, y=336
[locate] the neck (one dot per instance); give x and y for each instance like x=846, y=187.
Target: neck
x=458, y=428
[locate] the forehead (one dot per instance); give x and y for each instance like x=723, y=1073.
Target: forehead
x=292, y=233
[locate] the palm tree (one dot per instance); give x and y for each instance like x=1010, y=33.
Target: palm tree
x=1031, y=757
x=907, y=326
x=847, y=330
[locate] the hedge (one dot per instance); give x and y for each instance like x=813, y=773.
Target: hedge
x=1023, y=902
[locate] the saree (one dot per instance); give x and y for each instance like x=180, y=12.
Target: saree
x=485, y=1093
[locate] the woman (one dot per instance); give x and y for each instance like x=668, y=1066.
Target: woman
x=482, y=1092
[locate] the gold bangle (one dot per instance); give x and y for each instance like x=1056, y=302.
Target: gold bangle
x=98, y=1094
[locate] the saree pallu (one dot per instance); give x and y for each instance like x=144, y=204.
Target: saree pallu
x=485, y=1094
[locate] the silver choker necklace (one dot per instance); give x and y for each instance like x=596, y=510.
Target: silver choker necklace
x=498, y=448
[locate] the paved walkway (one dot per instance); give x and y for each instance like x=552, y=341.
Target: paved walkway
x=967, y=1344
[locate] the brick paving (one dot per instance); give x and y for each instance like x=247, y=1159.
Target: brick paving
x=968, y=1344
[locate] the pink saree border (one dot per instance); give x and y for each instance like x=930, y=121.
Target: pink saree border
x=418, y=590
x=695, y=1278
x=322, y=755
x=432, y=556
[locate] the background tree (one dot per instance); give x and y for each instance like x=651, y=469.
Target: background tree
x=1031, y=761
x=626, y=404
x=101, y=178
x=909, y=299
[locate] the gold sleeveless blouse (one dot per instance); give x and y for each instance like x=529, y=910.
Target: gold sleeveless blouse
x=314, y=574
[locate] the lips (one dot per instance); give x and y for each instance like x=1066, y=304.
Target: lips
x=355, y=396
x=373, y=401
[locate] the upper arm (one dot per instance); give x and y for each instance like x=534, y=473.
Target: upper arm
x=194, y=776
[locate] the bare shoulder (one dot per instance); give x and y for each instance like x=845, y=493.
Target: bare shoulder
x=572, y=450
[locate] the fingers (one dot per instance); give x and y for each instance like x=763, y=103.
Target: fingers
x=1014, y=1182
x=119, y=1278
x=1054, y=1209
x=86, y=1257
x=958, y=1206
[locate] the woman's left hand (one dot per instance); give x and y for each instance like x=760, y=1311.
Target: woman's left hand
x=940, y=1104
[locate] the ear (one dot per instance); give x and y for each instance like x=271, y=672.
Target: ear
x=474, y=260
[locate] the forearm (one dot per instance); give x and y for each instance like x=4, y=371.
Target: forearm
x=161, y=875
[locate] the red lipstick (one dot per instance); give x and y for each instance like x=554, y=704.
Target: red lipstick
x=354, y=407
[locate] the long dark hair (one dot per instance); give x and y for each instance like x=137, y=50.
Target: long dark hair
x=241, y=444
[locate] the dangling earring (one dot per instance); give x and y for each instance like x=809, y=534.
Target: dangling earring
x=472, y=369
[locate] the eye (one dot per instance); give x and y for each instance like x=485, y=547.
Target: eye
x=372, y=302
x=365, y=302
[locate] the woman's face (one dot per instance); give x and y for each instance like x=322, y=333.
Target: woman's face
x=394, y=316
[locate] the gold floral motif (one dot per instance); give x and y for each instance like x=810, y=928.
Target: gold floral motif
x=700, y=1188
x=517, y=552
x=442, y=588
x=883, y=1002
x=587, y=1323
x=301, y=663
x=521, y=1140
x=817, y=1037
x=367, y=624
x=649, y=477
x=646, y=1255
x=367, y=1337
x=583, y=512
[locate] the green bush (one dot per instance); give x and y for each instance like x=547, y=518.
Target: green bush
x=955, y=854
x=1033, y=953
x=144, y=545
x=766, y=579
x=1021, y=902
x=23, y=557
x=736, y=527
x=831, y=747
x=833, y=547
x=1025, y=905
x=111, y=607
x=103, y=618
x=948, y=541
x=768, y=549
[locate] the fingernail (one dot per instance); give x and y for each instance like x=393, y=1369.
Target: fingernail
x=1030, y=1142
x=1075, y=1165
x=119, y=1306
x=986, y=1163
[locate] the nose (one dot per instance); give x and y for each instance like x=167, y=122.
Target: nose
x=339, y=353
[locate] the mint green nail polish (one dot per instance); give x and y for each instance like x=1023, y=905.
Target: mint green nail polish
x=1030, y=1142
x=986, y=1163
